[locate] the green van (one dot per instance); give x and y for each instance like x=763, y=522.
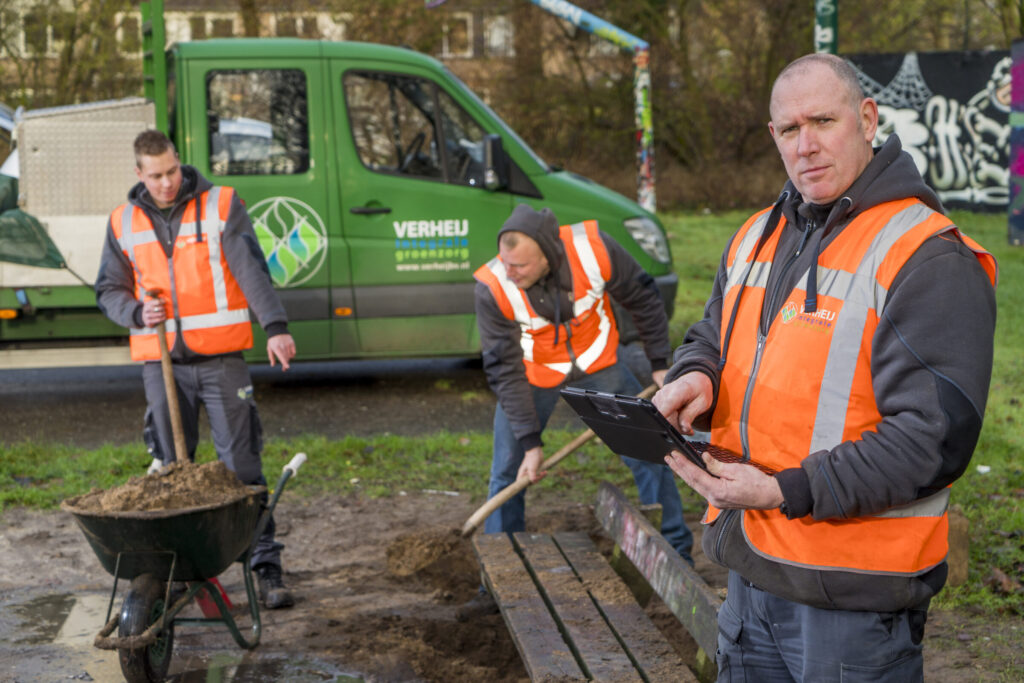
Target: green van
x=376, y=181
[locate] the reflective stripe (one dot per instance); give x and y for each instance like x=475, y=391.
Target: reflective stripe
x=218, y=319
x=212, y=238
x=594, y=298
x=170, y=324
x=934, y=505
x=744, y=251
x=859, y=295
x=594, y=351
x=591, y=267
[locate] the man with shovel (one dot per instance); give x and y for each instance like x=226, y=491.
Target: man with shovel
x=543, y=308
x=182, y=254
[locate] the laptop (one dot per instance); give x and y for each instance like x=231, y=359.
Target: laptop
x=634, y=427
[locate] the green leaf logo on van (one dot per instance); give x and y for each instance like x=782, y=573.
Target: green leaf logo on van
x=293, y=239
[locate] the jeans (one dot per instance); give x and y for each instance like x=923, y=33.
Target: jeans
x=655, y=483
x=768, y=639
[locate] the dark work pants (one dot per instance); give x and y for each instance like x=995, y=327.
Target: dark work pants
x=222, y=384
x=763, y=638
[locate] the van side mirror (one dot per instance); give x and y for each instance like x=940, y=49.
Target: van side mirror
x=495, y=163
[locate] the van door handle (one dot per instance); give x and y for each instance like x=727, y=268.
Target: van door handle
x=369, y=210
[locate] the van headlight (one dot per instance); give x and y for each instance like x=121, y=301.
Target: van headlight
x=650, y=237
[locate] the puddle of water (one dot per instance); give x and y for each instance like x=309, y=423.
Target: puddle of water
x=249, y=667
x=41, y=618
x=70, y=624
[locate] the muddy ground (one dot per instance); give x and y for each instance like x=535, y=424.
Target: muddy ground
x=377, y=583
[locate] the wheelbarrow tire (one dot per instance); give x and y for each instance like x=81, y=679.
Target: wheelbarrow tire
x=143, y=605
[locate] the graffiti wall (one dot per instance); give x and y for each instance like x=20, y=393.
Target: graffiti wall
x=1016, y=211
x=952, y=113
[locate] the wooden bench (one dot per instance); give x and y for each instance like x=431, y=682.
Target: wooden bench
x=573, y=618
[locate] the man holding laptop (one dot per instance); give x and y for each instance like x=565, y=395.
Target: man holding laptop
x=847, y=345
x=544, y=313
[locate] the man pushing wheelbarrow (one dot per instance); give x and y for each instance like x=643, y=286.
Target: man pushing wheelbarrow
x=182, y=254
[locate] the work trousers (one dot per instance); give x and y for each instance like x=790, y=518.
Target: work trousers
x=655, y=482
x=763, y=638
x=222, y=384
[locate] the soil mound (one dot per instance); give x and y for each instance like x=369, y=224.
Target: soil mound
x=443, y=558
x=175, y=487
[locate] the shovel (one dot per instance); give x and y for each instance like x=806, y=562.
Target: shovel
x=206, y=604
x=518, y=485
x=170, y=387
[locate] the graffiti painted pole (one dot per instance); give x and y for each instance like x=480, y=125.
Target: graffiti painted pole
x=1015, y=218
x=641, y=86
x=826, y=26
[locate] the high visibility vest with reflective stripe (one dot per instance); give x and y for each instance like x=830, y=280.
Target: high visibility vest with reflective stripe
x=807, y=386
x=591, y=339
x=207, y=302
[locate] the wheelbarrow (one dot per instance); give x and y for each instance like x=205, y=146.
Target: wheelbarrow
x=156, y=548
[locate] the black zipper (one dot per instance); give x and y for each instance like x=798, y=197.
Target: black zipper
x=727, y=519
x=765, y=322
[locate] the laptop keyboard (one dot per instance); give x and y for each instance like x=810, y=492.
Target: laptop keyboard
x=725, y=455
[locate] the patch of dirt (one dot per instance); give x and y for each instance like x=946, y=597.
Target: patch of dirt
x=175, y=487
x=377, y=583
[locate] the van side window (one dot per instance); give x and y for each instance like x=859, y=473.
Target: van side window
x=258, y=122
x=397, y=121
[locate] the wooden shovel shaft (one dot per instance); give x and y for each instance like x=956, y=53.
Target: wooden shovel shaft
x=172, y=393
x=507, y=493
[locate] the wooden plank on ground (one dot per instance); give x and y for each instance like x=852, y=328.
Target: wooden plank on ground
x=646, y=645
x=596, y=646
x=533, y=629
x=679, y=586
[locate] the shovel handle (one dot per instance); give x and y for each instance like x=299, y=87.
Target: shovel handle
x=510, y=491
x=170, y=387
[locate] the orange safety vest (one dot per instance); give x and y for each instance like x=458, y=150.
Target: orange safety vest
x=207, y=302
x=591, y=339
x=807, y=386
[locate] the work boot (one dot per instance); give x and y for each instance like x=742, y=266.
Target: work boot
x=481, y=605
x=273, y=594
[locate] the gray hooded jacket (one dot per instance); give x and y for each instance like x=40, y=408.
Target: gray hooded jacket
x=551, y=297
x=115, y=283
x=931, y=365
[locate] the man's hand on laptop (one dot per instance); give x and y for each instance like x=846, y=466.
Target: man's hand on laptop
x=737, y=485
x=685, y=399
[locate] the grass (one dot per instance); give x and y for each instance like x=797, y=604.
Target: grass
x=41, y=475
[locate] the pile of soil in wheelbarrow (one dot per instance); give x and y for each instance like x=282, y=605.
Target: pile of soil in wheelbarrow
x=175, y=487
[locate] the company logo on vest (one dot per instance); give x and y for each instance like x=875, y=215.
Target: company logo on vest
x=788, y=312
x=819, y=318
x=293, y=239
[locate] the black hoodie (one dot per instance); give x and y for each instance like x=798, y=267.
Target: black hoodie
x=551, y=298
x=931, y=361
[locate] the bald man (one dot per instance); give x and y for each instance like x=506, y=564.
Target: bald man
x=847, y=346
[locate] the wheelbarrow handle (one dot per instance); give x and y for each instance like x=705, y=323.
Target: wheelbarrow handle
x=295, y=463
x=287, y=472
